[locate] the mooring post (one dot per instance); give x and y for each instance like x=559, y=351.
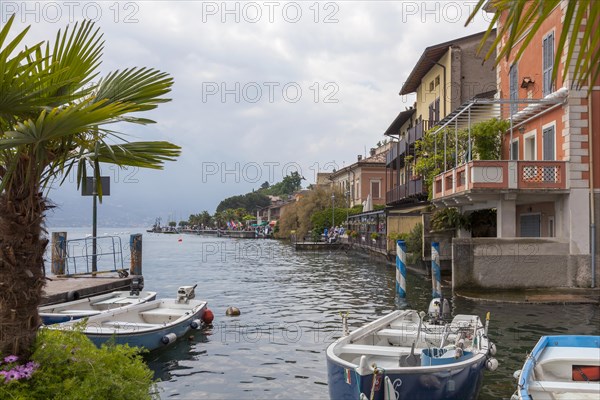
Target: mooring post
x=135, y=246
x=59, y=252
x=436, y=273
x=401, y=268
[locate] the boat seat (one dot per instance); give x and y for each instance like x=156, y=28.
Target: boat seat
x=565, y=387
x=127, y=324
x=115, y=300
x=575, y=355
x=389, y=351
x=165, y=312
x=75, y=312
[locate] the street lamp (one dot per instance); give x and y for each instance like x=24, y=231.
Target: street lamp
x=332, y=210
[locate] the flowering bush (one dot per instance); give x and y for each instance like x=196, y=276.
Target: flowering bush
x=68, y=366
x=10, y=370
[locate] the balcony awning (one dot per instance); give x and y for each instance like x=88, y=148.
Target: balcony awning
x=484, y=107
x=403, y=116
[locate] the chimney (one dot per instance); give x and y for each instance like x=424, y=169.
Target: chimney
x=359, y=157
x=372, y=151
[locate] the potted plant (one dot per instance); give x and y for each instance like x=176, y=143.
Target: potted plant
x=374, y=236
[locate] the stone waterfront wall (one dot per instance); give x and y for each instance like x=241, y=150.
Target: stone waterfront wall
x=517, y=263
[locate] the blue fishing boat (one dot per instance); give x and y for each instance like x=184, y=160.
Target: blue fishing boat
x=72, y=310
x=405, y=355
x=561, y=367
x=149, y=325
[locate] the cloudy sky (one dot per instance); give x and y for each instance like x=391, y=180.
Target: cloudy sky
x=261, y=89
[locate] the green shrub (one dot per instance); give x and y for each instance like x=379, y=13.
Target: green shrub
x=71, y=367
x=448, y=218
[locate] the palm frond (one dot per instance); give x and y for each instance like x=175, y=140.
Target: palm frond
x=522, y=21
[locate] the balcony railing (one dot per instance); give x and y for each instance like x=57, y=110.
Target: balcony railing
x=401, y=192
x=501, y=175
x=396, y=150
x=416, y=132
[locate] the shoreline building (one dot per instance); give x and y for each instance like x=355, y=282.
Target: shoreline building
x=446, y=76
x=544, y=187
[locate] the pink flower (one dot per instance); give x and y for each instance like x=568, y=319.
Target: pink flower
x=11, y=359
x=13, y=374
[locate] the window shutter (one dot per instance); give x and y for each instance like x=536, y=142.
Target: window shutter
x=548, y=143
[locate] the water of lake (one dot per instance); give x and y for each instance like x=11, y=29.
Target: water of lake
x=290, y=305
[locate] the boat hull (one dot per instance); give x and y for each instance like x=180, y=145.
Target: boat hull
x=150, y=340
x=462, y=383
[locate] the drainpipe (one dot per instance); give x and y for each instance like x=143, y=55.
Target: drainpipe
x=592, y=197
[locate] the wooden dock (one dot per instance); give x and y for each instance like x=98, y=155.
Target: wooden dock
x=59, y=290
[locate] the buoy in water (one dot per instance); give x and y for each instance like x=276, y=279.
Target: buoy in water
x=208, y=317
x=232, y=311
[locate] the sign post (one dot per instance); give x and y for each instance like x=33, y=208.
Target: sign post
x=89, y=188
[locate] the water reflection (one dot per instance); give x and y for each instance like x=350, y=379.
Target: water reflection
x=290, y=303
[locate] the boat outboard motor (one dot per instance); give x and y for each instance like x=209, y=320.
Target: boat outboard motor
x=438, y=309
x=137, y=285
x=186, y=293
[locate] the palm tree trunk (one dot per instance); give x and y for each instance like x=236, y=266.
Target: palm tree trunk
x=21, y=266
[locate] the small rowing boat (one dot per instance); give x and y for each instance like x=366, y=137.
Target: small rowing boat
x=404, y=356
x=71, y=310
x=560, y=368
x=150, y=325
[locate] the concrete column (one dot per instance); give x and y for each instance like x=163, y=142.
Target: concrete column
x=579, y=221
x=506, y=218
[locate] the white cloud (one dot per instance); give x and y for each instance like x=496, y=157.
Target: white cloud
x=365, y=56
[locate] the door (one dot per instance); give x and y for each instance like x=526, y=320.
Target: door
x=530, y=225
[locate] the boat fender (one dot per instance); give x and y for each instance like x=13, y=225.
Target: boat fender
x=168, y=338
x=195, y=324
x=491, y=364
x=208, y=317
x=73, y=295
x=517, y=374
x=493, y=349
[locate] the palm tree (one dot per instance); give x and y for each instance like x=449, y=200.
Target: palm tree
x=54, y=118
x=523, y=20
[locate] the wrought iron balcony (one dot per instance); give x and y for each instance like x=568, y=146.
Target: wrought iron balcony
x=402, y=192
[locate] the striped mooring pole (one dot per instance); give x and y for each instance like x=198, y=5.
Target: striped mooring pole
x=436, y=274
x=401, y=268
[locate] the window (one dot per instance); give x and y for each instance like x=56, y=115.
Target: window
x=437, y=81
x=514, y=88
x=514, y=150
x=548, y=143
x=375, y=186
x=529, y=148
x=431, y=87
x=434, y=112
x=549, y=174
x=547, y=63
